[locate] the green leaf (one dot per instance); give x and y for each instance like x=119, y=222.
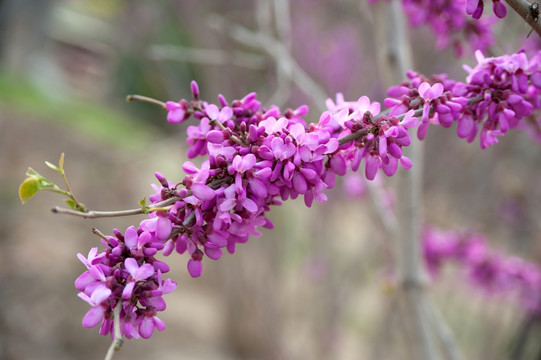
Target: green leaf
x=72, y=204
x=144, y=206
x=29, y=187
x=52, y=166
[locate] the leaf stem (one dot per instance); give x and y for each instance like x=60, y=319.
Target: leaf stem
x=79, y=206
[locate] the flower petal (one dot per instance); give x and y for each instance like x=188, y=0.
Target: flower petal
x=203, y=192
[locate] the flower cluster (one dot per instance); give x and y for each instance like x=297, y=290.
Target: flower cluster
x=257, y=157
x=497, y=94
x=504, y=90
x=488, y=270
x=127, y=275
x=376, y=139
x=254, y=158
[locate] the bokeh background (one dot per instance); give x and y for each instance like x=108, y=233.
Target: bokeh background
x=317, y=286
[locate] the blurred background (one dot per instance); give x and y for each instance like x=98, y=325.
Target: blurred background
x=317, y=286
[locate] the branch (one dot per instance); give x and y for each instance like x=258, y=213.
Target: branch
x=443, y=331
x=394, y=58
x=117, y=341
x=232, y=137
x=282, y=21
x=522, y=7
x=146, y=99
x=214, y=184
x=100, y=234
x=100, y=214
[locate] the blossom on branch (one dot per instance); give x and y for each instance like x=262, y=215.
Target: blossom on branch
x=498, y=93
x=127, y=273
x=257, y=157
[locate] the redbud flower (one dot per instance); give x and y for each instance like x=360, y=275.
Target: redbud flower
x=177, y=112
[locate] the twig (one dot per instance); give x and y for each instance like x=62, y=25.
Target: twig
x=282, y=21
x=214, y=184
x=277, y=51
x=100, y=234
x=522, y=7
x=232, y=137
x=145, y=99
x=100, y=214
x=352, y=136
x=395, y=60
x=263, y=17
x=443, y=331
x=78, y=204
x=117, y=341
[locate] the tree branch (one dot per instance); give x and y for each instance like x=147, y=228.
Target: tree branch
x=100, y=214
x=522, y=7
x=117, y=341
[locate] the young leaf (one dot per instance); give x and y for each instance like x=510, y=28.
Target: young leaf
x=61, y=161
x=72, y=204
x=32, y=172
x=144, y=206
x=52, y=166
x=44, y=183
x=29, y=187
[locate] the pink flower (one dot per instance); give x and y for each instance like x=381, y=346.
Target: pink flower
x=177, y=112
x=97, y=300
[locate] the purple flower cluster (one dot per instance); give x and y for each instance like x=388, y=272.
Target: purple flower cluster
x=257, y=157
x=497, y=94
x=503, y=90
x=126, y=274
x=437, y=103
x=488, y=270
x=377, y=139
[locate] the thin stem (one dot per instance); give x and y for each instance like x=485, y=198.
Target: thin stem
x=146, y=99
x=232, y=137
x=93, y=214
x=100, y=234
x=215, y=184
x=70, y=193
x=352, y=136
x=443, y=331
x=57, y=190
x=117, y=341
